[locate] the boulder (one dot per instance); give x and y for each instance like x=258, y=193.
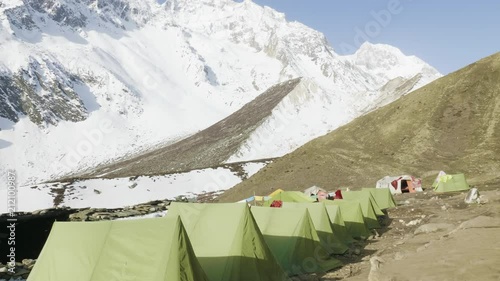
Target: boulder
x=433, y=227
x=27, y=263
x=472, y=196
x=481, y=222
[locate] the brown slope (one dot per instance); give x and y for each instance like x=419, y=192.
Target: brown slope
x=207, y=148
x=452, y=124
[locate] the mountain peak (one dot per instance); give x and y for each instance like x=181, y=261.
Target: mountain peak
x=389, y=62
x=369, y=46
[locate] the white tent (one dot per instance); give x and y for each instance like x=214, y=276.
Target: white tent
x=313, y=190
x=316, y=192
x=396, y=184
x=436, y=181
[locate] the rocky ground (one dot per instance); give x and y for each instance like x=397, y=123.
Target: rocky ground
x=431, y=236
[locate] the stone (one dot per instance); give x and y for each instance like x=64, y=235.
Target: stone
x=80, y=216
x=421, y=248
x=399, y=256
x=472, y=196
x=28, y=262
x=21, y=272
x=36, y=212
x=481, y=222
x=414, y=222
x=433, y=227
x=96, y=214
x=482, y=199
x=127, y=213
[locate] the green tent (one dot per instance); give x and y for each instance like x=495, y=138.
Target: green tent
x=289, y=196
x=338, y=224
x=147, y=249
x=383, y=197
x=353, y=217
x=330, y=240
x=367, y=206
x=227, y=241
x=362, y=194
x=291, y=236
x=449, y=183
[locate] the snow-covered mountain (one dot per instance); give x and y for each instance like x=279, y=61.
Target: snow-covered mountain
x=86, y=81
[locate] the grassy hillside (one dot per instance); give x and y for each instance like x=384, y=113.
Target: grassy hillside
x=452, y=124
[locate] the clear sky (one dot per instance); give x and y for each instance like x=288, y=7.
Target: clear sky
x=448, y=34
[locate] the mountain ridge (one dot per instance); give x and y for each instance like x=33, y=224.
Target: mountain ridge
x=207, y=148
x=451, y=124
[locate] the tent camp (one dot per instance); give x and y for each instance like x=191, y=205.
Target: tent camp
x=227, y=241
x=449, y=183
x=368, y=206
x=338, y=224
x=353, y=217
x=400, y=184
x=330, y=240
x=148, y=249
x=289, y=196
x=293, y=240
x=383, y=197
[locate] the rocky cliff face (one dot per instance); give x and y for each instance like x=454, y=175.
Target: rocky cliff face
x=43, y=91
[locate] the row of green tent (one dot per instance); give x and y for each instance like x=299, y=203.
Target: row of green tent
x=226, y=241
